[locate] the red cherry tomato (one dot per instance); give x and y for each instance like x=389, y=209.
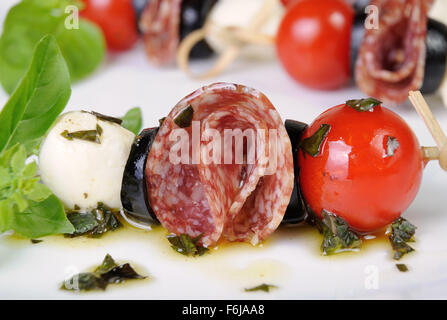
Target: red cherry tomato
x=313, y=42
x=117, y=20
x=286, y=2
x=354, y=176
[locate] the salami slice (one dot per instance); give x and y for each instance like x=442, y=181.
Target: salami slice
x=226, y=196
x=159, y=24
x=392, y=57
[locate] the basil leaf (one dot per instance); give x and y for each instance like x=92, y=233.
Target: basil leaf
x=338, y=236
x=133, y=120
x=186, y=245
x=30, y=20
x=82, y=223
x=183, y=120
x=362, y=105
x=94, y=223
x=263, y=287
x=312, y=145
x=83, y=48
x=109, y=272
x=107, y=264
x=402, y=267
x=103, y=117
x=402, y=231
x=41, y=219
x=38, y=100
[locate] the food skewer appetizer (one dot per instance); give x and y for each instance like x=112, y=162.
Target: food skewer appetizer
x=173, y=174
x=408, y=51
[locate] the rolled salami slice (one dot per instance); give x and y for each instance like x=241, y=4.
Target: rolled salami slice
x=239, y=193
x=391, y=58
x=159, y=24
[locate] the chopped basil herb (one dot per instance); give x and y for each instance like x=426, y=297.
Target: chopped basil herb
x=35, y=241
x=107, y=264
x=402, y=232
x=312, y=145
x=160, y=121
x=86, y=135
x=402, y=267
x=133, y=120
x=338, y=236
x=183, y=120
x=263, y=287
x=186, y=245
x=362, y=105
x=94, y=223
x=109, y=272
x=391, y=146
x=105, y=118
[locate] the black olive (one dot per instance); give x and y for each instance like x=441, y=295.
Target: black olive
x=193, y=16
x=436, y=49
x=359, y=5
x=134, y=189
x=296, y=210
x=138, y=7
x=357, y=33
x=436, y=56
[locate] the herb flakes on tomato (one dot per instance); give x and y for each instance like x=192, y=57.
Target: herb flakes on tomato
x=312, y=145
x=402, y=231
x=362, y=105
x=338, y=236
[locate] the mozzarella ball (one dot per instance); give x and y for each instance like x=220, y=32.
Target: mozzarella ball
x=237, y=13
x=82, y=173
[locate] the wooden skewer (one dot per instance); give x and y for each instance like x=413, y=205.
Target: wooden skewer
x=238, y=38
x=431, y=153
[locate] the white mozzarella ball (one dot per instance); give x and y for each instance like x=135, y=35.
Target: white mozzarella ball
x=80, y=172
x=237, y=13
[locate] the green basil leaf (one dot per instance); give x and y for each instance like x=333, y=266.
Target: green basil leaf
x=109, y=272
x=28, y=21
x=94, y=223
x=263, y=287
x=38, y=193
x=41, y=219
x=312, y=145
x=184, y=118
x=337, y=235
x=402, y=267
x=133, y=120
x=39, y=98
x=362, y=105
x=6, y=214
x=186, y=245
x=107, y=264
x=83, y=49
x=82, y=222
x=402, y=231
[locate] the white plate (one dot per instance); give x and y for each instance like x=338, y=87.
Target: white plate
x=290, y=259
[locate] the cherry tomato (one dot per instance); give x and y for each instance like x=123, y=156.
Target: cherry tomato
x=117, y=20
x=313, y=42
x=368, y=169
x=286, y=2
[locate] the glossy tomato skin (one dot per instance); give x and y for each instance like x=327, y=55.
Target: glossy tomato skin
x=117, y=20
x=352, y=176
x=313, y=42
x=285, y=3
